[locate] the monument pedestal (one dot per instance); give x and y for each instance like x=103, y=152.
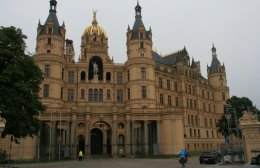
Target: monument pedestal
x=95, y=79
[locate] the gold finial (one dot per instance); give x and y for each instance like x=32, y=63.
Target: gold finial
x=94, y=22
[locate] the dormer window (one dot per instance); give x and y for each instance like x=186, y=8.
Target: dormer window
x=141, y=34
x=50, y=31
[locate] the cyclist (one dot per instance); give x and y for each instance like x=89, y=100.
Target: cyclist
x=183, y=155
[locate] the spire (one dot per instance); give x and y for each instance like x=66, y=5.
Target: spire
x=53, y=4
x=215, y=62
x=94, y=22
x=214, y=53
x=52, y=21
x=138, y=9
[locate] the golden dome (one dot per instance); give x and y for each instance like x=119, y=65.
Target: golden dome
x=94, y=29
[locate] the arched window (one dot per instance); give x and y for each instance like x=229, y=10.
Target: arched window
x=83, y=76
x=82, y=94
x=108, y=94
x=95, y=95
x=90, y=95
x=108, y=76
x=100, y=96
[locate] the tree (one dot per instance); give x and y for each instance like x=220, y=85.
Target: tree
x=20, y=78
x=238, y=104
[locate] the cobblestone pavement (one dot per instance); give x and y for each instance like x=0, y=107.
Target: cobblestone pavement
x=125, y=163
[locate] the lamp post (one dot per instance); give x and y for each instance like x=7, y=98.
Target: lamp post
x=228, y=117
x=229, y=110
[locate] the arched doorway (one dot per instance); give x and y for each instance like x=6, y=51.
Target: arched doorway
x=96, y=141
x=81, y=144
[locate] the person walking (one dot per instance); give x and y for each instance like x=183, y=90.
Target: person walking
x=80, y=155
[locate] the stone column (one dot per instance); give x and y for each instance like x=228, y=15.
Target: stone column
x=87, y=139
x=73, y=139
x=146, y=137
x=53, y=139
x=105, y=141
x=133, y=144
x=114, y=138
x=128, y=138
x=158, y=125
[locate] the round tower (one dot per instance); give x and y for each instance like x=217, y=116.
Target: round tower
x=50, y=45
x=140, y=67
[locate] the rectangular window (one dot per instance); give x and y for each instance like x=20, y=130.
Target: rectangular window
x=62, y=73
x=144, y=95
x=61, y=93
x=46, y=91
x=143, y=73
x=203, y=94
x=70, y=94
x=223, y=96
x=193, y=90
x=169, y=100
x=199, y=133
x=119, y=77
x=47, y=70
x=48, y=51
x=168, y=85
x=119, y=95
x=204, y=107
x=128, y=93
x=191, y=103
x=176, y=101
x=195, y=104
x=141, y=44
x=49, y=40
x=161, y=99
x=160, y=83
x=207, y=132
x=175, y=87
x=71, y=77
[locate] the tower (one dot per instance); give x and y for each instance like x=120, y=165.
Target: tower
x=50, y=45
x=94, y=40
x=140, y=67
x=217, y=80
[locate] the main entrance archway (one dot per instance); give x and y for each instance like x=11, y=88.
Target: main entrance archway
x=100, y=138
x=96, y=141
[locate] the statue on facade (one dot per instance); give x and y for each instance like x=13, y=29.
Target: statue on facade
x=95, y=68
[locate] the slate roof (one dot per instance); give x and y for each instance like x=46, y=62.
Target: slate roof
x=56, y=29
x=171, y=59
x=214, y=65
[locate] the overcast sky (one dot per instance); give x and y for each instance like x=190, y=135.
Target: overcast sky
x=232, y=25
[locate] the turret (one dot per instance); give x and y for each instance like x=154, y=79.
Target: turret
x=50, y=56
x=69, y=55
x=216, y=71
x=51, y=33
x=139, y=41
x=139, y=53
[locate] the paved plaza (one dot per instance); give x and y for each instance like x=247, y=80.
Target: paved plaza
x=125, y=163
